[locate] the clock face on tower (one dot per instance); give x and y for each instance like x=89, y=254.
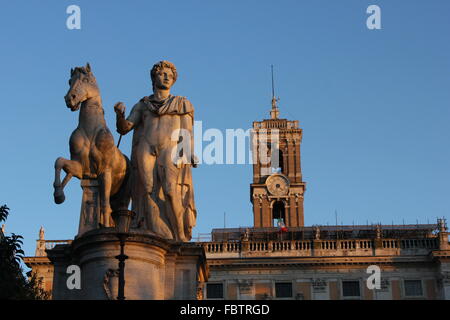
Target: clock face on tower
x=278, y=185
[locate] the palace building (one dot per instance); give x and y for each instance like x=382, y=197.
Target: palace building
x=281, y=258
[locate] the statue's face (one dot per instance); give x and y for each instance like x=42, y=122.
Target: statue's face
x=82, y=87
x=164, y=79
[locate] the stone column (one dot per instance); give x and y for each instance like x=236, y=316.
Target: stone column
x=443, y=240
x=444, y=280
x=443, y=258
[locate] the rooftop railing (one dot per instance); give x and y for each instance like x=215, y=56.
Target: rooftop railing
x=321, y=247
x=50, y=244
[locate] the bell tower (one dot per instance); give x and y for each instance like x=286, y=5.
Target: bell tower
x=277, y=189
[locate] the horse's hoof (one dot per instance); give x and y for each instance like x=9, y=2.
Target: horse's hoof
x=59, y=197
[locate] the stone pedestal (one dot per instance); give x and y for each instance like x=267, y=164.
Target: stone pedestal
x=90, y=206
x=156, y=268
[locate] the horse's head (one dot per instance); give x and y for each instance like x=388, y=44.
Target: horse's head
x=82, y=87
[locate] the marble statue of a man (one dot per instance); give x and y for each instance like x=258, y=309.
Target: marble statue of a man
x=162, y=157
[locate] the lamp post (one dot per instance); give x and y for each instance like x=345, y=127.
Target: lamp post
x=122, y=219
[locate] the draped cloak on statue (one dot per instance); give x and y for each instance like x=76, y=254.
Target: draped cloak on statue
x=155, y=217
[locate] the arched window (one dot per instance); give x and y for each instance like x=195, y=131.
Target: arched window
x=278, y=212
x=276, y=161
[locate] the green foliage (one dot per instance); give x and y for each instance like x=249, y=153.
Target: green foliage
x=4, y=211
x=13, y=283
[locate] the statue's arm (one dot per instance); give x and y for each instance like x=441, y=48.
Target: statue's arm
x=123, y=125
x=187, y=121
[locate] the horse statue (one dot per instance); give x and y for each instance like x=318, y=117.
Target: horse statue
x=93, y=154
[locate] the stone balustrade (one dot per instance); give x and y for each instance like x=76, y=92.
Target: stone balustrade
x=50, y=244
x=365, y=247
x=42, y=245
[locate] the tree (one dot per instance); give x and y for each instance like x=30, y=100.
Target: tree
x=13, y=283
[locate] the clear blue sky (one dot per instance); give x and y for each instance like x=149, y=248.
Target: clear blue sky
x=374, y=105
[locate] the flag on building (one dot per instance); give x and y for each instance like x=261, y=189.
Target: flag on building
x=282, y=226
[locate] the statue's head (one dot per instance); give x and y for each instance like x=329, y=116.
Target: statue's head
x=163, y=74
x=82, y=87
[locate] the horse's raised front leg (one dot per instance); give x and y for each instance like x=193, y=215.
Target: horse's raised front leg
x=105, y=181
x=72, y=168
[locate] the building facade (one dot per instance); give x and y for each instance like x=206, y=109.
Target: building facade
x=280, y=258
x=322, y=263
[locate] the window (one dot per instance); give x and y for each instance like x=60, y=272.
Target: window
x=278, y=212
x=350, y=289
x=283, y=290
x=413, y=288
x=214, y=291
x=276, y=161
